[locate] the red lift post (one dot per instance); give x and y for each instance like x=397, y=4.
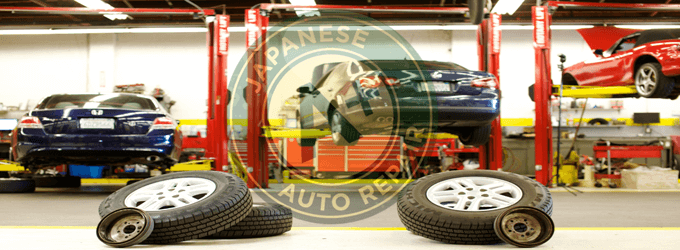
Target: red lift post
x=542, y=18
x=256, y=22
x=218, y=97
x=256, y=96
x=488, y=50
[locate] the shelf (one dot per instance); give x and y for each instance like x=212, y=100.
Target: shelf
x=603, y=126
x=579, y=109
x=591, y=109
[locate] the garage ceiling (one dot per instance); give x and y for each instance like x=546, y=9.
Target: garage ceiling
x=236, y=10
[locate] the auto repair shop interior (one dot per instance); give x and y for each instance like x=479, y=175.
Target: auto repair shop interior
x=303, y=124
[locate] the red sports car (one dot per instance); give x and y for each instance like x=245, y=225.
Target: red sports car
x=649, y=59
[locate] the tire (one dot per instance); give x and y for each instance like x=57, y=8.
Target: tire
x=650, y=82
x=228, y=203
x=264, y=220
x=476, y=11
x=423, y=217
x=51, y=181
x=305, y=142
x=15, y=185
x=598, y=121
x=343, y=133
x=475, y=136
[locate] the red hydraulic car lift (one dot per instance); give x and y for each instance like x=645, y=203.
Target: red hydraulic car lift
x=488, y=50
x=218, y=96
x=217, y=41
x=542, y=18
x=256, y=22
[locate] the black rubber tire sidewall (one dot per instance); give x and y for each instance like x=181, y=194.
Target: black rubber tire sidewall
x=424, y=218
x=476, y=8
x=57, y=181
x=17, y=186
x=230, y=203
x=476, y=136
x=349, y=136
x=664, y=85
x=265, y=220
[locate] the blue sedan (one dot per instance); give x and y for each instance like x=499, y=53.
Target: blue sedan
x=400, y=97
x=96, y=129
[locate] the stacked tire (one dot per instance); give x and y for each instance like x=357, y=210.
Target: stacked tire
x=460, y=207
x=17, y=185
x=264, y=220
x=192, y=205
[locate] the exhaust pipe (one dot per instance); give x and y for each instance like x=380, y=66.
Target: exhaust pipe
x=153, y=158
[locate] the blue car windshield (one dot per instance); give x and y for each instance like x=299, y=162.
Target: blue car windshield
x=118, y=101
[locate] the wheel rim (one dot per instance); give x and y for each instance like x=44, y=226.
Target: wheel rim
x=524, y=226
x=336, y=127
x=125, y=227
x=170, y=194
x=474, y=194
x=646, y=80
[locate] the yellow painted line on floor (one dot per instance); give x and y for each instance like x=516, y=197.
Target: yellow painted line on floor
x=386, y=228
x=608, y=190
x=353, y=181
x=47, y=227
x=352, y=228
x=104, y=181
x=619, y=228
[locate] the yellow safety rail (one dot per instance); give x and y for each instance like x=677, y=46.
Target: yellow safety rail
x=199, y=165
x=593, y=92
x=280, y=132
x=8, y=166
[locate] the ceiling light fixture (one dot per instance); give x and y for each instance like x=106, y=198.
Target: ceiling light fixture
x=647, y=27
x=98, y=4
x=506, y=6
x=305, y=12
x=106, y=31
x=243, y=29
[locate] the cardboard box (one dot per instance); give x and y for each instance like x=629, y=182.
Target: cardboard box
x=650, y=179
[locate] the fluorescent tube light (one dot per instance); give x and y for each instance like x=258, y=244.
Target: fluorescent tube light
x=647, y=27
x=243, y=29
x=103, y=31
x=506, y=6
x=98, y=4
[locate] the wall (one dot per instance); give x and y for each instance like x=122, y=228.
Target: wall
x=33, y=66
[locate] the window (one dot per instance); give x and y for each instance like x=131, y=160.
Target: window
x=98, y=101
x=322, y=80
x=625, y=44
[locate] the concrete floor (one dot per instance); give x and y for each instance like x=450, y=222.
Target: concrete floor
x=627, y=219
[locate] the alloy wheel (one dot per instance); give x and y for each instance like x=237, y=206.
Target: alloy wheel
x=646, y=80
x=170, y=194
x=474, y=194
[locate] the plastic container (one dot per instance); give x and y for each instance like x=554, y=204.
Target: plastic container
x=86, y=171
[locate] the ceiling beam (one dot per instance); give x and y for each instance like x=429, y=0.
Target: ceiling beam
x=127, y=4
x=656, y=12
x=43, y=4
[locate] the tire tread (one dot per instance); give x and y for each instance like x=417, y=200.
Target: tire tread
x=446, y=230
